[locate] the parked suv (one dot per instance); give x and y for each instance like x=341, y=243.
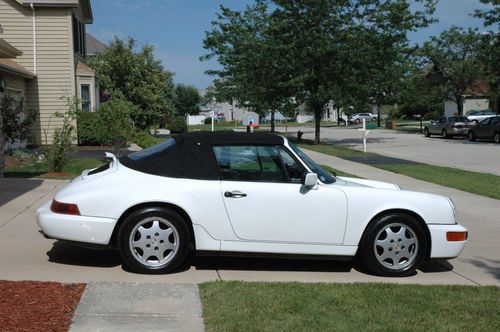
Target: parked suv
x=487, y=129
x=358, y=117
x=477, y=116
x=448, y=127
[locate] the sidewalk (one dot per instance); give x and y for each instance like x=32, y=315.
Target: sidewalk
x=126, y=307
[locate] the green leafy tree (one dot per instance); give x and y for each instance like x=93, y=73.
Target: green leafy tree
x=253, y=69
x=490, y=16
x=187, y=100
x=117, y=127
x=133, y=74
x=455, y=57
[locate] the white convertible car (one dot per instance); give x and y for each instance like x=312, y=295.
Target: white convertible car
x=238, y=193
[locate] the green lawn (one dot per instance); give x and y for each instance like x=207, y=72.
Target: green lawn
x=478, y=183
x=217, y=126
x=244, y=306
x=74, y=168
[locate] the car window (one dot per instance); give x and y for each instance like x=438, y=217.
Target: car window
x=250, y=163
x=294, y=169
x=459, y=119
x=442, y=120
x=152, y=152
x=323, y=175
x=486, y=122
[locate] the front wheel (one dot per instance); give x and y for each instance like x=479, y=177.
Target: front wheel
x=444, y=134
x=426, y=132
x=496, y=138
x=357, y=121
x=153, y=240
x=394, y=245
x=470, y=136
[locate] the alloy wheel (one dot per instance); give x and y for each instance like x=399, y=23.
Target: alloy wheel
x=396, y=246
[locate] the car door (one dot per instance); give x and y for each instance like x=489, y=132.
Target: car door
x=484, y=129
x=266, y=201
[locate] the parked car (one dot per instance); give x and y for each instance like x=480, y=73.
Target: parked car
x=448, y=127
x=477, y=116
x=358, y=117
x=243, y=194
x=487, y=129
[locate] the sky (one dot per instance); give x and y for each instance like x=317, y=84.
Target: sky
x=176, y=28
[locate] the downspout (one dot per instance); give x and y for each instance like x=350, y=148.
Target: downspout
x=34, y=37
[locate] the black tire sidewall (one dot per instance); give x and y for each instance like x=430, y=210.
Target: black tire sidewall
x=131, y=221
x=496, y=137
x=426, y=132
x=367, y=253
x=470, y=136
x=444, y=134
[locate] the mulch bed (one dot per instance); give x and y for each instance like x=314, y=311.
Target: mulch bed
x=37, y=306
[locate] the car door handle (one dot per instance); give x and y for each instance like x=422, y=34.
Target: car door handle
x=234, y=194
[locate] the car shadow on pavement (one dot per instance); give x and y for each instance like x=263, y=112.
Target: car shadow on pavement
x=272, y=264
x=69, y=254
x=11, y=188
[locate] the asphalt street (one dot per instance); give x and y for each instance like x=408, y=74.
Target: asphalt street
x=26, y=255
x=480, y=156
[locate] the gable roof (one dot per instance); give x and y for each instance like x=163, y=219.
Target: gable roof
x=85, y=5
x=93, y=45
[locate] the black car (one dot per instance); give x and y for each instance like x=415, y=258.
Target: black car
x=488, y=129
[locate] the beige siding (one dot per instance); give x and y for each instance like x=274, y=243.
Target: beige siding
x=17, y=26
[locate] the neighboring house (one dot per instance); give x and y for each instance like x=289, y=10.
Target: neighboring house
x=43, y=58
x=474, y=99
x=228, y=111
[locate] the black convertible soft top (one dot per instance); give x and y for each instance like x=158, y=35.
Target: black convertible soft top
x=190, y=155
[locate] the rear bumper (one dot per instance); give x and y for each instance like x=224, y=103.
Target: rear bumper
x=74, y=228
x=459, y=132
x=442, y=248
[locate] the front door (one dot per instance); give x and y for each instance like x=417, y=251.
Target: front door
x=265, y=200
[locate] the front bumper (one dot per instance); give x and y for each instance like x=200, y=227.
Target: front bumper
x=442, y=248
x=74, y=228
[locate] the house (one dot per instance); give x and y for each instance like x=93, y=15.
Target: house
x=43, y=58
x=473, y=99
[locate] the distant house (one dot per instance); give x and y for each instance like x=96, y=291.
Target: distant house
x=43, y=58
x=222, y=110
x=474, y=99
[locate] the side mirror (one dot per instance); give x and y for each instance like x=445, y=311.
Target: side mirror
x=310, y=179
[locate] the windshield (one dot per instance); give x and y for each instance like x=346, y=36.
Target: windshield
x=152, y=152
x=323, y=175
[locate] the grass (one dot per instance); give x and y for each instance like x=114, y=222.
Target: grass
x=74, y=168
x=477, y=183
x=217, y=126
x=339, y=173
x=144, y=139
x=244, y=306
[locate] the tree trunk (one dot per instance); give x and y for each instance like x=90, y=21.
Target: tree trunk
x=378, y=114
x=338, y=117
x=273, y=115
x=460, y=105
x=317, y=119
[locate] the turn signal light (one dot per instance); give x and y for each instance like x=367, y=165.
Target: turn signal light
x=456, y=236
x=64, y=208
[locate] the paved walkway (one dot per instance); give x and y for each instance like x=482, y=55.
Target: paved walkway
x=126, y=307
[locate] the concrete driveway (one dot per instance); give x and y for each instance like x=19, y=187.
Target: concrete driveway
x=481, y=156
x=28, y=256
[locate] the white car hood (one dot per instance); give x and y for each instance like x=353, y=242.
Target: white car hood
x=356, y=182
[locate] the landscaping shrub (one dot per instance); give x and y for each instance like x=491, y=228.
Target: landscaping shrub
x=89, y=130
x=62, y=140
x=145, y=139
x=208, y=120
x=178, y=125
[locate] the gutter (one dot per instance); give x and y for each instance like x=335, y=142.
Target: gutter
x=34, y=38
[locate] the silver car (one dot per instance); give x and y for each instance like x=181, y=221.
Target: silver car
x=358, y=117
x=448, y=127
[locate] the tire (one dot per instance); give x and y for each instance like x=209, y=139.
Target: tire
x=374, y=119
x=426, y=132
x=394, y=245
x=496, y=138
x=357, y=121
x=444, y=134
x=159, y=233
x=475, y=122
x=470, y=136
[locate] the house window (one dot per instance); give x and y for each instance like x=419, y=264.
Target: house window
x=79, y=37
x=85, y=97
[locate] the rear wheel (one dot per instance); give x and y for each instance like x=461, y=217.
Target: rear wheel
x=426, y=132
x=153, y=240
x=357, y=121
x=394, y=245
x=374, y=119
x=496, y=138
x=444, y=134
x=471, y=136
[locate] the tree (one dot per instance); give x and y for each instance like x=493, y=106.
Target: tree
x=456, y=63
x=117, y=127
x=187, y=100
x=135, y=75
x=253, y=69
x=491, y=16
x=16, y=119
